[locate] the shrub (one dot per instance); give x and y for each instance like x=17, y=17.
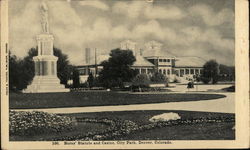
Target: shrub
x=205, y=80
x=159, y=78
x=31, y=123
x=141, y=80
x=112, y=83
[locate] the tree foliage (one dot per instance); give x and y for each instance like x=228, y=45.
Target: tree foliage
x=141, y=80
x=64, y=69
x=227, y=73
x=21, y=70
x=210, y=72
x=14, y=72
x=117, y=69
x=90, y=80
x=76, y=79
x=159, y=78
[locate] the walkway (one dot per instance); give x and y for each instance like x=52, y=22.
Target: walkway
x=223, y=105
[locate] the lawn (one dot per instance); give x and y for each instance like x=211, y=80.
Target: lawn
x=199, y=131
x=99, y=98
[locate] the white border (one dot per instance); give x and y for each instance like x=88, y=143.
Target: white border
x=242, y=95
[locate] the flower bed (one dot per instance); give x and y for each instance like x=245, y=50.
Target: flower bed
x=116, y=128
x=119, y=128
x=31, y=123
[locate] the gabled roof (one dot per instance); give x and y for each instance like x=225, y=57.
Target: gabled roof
x=157, y=53
x=142, y=62
x=190, y=61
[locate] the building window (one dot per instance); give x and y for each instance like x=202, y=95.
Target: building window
x=137, y=71
x=160, y=60
x=164, y=71
x=187, y=71
x=181, y=72
x=168, y=60
x=177, y=72
x=164, y=60
x=160, y=71
x=201, y=71
x=150, y=70
x=197, y=71
x=191, y=71
x=143, y=71
x=168, y=72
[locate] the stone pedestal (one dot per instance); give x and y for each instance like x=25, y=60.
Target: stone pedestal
x=45, y=79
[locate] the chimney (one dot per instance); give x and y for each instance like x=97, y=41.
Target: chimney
x=141, y=52
x=87, y=55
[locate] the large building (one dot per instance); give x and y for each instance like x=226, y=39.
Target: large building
x=151, y=59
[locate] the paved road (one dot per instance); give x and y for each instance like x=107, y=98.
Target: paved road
x=223, y=105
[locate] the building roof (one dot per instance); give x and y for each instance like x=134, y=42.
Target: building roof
x=157, y=53
x=191, y=61
x=142, y=62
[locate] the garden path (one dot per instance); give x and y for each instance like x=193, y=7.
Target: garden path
x=223, y=105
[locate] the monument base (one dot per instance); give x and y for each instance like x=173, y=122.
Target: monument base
x=45, y=84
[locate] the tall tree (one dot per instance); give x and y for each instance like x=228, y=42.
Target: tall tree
x=76, y=79
x=14, y=72
x=227, y=73
x=90, y=80
x=210, y=72
x=118, y=68
x=63, y=68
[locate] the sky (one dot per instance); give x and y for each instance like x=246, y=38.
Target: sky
x=203, y=28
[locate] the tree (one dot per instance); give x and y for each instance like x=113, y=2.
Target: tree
x=210, y=72
x=63, y=68
x=227, y=73
x=158, y=78
x=14, y=72
x=141, y=80
x=90, y=80
x=117, y=69
x=76, y=79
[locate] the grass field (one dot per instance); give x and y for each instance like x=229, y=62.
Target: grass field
x=98, y=98
x=200, y=131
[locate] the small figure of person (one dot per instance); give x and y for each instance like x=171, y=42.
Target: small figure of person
x=190, y=85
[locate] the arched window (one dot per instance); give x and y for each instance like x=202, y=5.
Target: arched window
x=164, y=71
x=168, y=72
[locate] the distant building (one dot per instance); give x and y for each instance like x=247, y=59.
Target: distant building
x=152, y=59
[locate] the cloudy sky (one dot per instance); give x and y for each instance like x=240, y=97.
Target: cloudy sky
x=203, y=28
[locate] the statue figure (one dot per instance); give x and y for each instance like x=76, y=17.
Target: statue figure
x=44, y=14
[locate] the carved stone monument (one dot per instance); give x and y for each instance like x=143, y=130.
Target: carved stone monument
x=45, y=79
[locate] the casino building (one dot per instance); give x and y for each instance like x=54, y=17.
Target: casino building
x=148, y=60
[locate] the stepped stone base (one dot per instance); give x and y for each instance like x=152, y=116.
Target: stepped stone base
x=45, y=84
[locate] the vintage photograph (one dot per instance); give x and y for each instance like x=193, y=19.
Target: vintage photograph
x=121, y=70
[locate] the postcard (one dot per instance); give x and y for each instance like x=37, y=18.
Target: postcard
x=124, y=74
